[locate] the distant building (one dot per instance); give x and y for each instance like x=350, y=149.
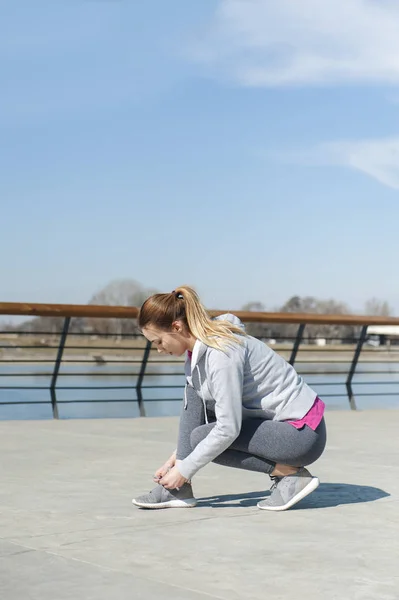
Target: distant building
x=382, y=335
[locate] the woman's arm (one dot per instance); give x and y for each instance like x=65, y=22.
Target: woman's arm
x=225, y=374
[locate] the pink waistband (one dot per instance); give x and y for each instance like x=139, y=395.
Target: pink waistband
x=313, y=417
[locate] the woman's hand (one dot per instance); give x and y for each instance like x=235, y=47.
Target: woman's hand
x=173, y=479
x=170, y=463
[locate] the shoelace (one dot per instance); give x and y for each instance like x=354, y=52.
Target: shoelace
x=276, y=480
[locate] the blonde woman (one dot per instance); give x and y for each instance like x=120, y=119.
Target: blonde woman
x=244, y=405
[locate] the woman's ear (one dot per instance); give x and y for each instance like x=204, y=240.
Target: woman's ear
x=177, y=326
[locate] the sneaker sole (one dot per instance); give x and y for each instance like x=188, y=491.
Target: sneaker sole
x=189, y=503
x=312, y=485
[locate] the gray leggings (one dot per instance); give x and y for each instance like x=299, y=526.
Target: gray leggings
x=261, y=443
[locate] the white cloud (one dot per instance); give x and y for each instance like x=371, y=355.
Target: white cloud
x=377, y=158
x=296, y=42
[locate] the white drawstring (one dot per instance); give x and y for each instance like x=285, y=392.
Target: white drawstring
x=203, y=401
x=185, y=396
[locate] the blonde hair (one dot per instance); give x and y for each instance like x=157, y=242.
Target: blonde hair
x=183, y=304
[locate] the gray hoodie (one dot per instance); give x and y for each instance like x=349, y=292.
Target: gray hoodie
x=247, y=380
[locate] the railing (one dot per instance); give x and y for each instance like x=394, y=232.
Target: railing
x=65, y=349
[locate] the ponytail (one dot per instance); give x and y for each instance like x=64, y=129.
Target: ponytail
x=183, y=304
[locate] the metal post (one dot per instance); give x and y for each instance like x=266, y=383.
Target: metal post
x=358, y=350
x=57, y=366
x=297, y=343
x=141, y=377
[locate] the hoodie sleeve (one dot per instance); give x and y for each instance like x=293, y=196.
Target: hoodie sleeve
x=225, y=376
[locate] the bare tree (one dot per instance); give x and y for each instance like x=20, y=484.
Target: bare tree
x=310, y=304
x=45, y=325
x=332, y=332
x=121, y=292
x=260, y=330
x=377, y=308
x=6, y=325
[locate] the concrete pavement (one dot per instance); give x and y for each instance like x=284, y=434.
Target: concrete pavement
x=68, y=529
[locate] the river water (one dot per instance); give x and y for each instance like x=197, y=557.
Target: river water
x=375, y=385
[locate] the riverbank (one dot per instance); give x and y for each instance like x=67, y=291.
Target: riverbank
x=80, y=350
x=102, y=359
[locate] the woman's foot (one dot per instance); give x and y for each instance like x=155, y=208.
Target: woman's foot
x=288, y=490
x=160, y=497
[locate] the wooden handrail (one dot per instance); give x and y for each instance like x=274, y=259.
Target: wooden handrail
x=68, y=310
x=130, y=312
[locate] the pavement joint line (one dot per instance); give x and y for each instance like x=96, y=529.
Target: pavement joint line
x=93, y=435
x=26, y=551
x=164, y=525
x=112, y=570
x=115, y=530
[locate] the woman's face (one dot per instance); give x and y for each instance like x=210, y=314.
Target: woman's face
x=174, y=342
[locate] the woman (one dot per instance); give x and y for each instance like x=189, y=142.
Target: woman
x=244, y=406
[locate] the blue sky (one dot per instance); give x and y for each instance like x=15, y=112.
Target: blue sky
x=245, y=147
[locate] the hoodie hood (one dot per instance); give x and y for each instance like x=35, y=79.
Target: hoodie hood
x=200, y=348
x=231, y=319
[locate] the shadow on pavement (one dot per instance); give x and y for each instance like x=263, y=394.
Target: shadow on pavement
x=326, y=495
